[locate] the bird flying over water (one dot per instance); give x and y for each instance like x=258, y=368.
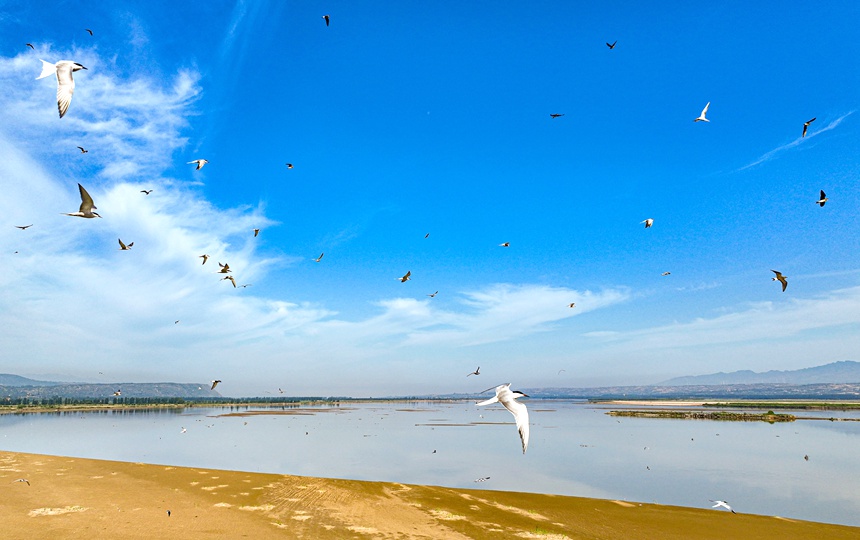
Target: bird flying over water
x=83, y=151
x=724, y=504
x=806, y=126
x=118, y=393
x=648, y=222
x=123, y=247
x=781, y=278
x=200, y=163
x=326, y=18
x=822, y=199
x=476, y=372
x=556, y=115
x=612, y=46
x=405, y=277
x=21, y=480
x=507, y=398
x=65, y=83
x=701, y=117
x=215, y=383
x=23, y=227
x=87, y=206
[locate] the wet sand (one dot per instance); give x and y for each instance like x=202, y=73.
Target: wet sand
x=84, y=498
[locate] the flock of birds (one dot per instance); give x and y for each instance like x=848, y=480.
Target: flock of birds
x=503, y=394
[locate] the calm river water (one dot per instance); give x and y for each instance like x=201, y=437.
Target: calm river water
x=575, y=449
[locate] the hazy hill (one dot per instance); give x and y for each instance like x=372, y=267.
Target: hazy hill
x=89, y=391
x=837, y=372
x=7, y=379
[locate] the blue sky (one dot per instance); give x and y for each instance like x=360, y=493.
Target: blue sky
x=402, y=120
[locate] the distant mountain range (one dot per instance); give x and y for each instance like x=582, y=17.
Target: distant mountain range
x=837, y=372
x=16, y=387
x=16, y=380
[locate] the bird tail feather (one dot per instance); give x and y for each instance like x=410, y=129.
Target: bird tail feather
x=48, y=69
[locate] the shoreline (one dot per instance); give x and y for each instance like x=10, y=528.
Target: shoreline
x=85, y=498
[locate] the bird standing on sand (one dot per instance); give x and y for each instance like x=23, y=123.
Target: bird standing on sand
x=821, y=199
x=123, y=247
x=65, y=83
x=507, y=398
x=806, y=126
x=87, y=206
x=648, y=222
x=701, y=117
x=724, y=504
x=781, y=278
x=405, y=277
x=200, y=163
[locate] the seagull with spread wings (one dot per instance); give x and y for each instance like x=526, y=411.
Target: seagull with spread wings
x=87, y=206
x=781, y=278
x=806, y=126
x=507, y=398
x=65, y=82
x=701, y=117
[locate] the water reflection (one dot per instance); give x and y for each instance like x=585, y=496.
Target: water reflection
x=575, y=449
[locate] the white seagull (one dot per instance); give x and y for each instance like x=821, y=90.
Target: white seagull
x=701, y=117
x=724, y=504
x=65, y=83
x=87, y=206
x=200, y=163
x=507, y=397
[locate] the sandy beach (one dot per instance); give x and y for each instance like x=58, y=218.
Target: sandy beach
x=83, y=498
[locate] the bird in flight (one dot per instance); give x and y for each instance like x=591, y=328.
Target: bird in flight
x=484, y=479
x=724, y=504
x=822, y=199
x=318, y=259
x=118, y=393
x=65, y=83
x=427, y=235
x=246, y=285
x=781, y=278
x=88, y=30
x=204, y=257
x=701, y=117
x=556, y=115
x=611, y=46
x=83, y=150
x=200, y=163
x=571, y=305
x=405, y=277
x=665, y=273
x=232, y=280
x=146, y=191
x=433, y=295
x=648, y=222
x=505, y=244
x=289, y=165
x=326, y=18
x=21, y=480
x=256, y=232
x=123, y=247
x=23, y=227
x=87, y=206
x=215, y=383
x=225, y=268
x=507, y=398
x=806, y=126
x=476, y=372
x=31, y=46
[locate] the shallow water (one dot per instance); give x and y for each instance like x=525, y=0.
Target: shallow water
x=575, y=449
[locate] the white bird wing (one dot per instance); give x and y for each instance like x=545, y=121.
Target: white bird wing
x=705, y=109
x=86, y=201
x=521, y=414
x=65, y=86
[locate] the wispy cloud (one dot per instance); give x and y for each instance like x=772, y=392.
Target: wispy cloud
x=769, y=155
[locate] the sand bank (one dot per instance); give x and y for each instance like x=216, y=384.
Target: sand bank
x=93, y=499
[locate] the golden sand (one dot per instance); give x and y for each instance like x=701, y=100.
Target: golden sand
x=92, y=499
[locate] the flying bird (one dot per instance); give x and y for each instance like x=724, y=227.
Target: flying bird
x=318, y=259
x=806, y=126
x=232, y=280
x=204, y=257
x=822, y=199
x=648, y=222
x=781, y=278
x=289, y=165
x=88, y=30
x=21, y=480
x=215, y=383
x=484, y=479
x=701, y=117
x=200, y=163
x=806, y=457
x=476, y=372
x=405, y=277
x=225, y=268
x=665, y=273
x=556, y=115
x=23, y=227
x=611, y=46
x=65, y=83
x=31, y=46
x=118, y=393
x=87, y=206
x=724, y=504
x=326, y=18
x=433, y=295
x=123, y=247
x=572, y=304
x=146, y=191
x=83, y=151
x=507, y=398
x=183, y=431
x=427, y=235
x=505, y=244
x=256, y=232
x=246, y=285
